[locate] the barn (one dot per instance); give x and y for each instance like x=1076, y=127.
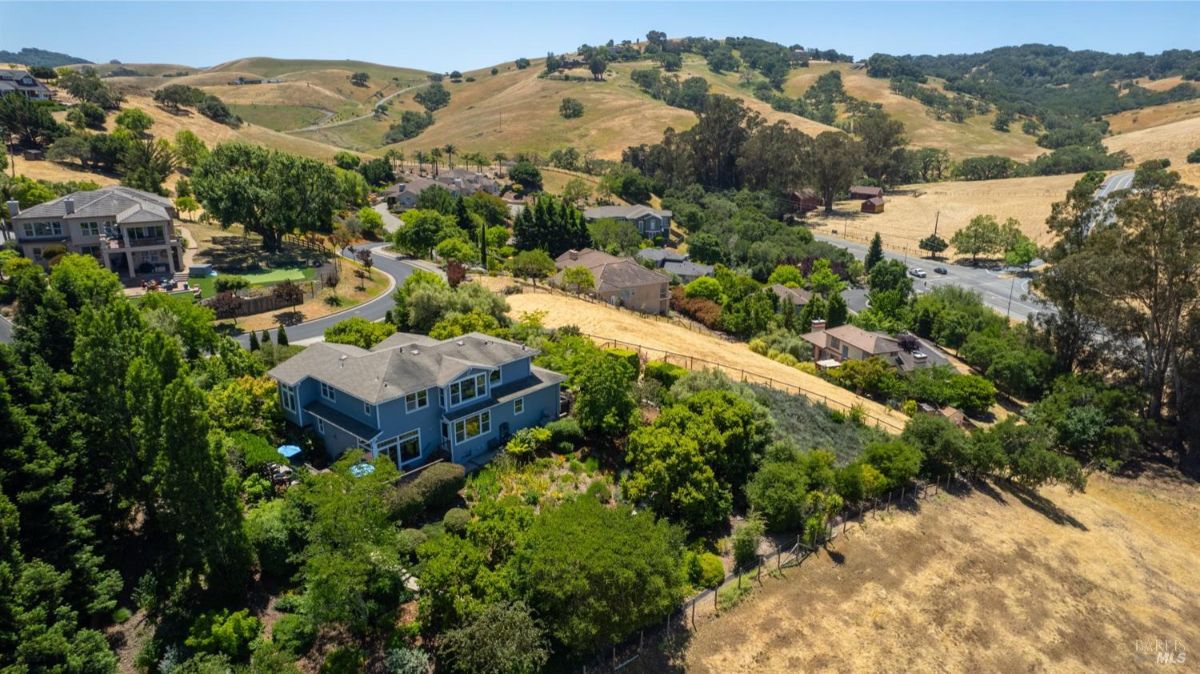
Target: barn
x=872, y=205
x=865, y=192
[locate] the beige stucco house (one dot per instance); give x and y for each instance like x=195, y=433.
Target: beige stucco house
x=621, y=280
x=130, y=231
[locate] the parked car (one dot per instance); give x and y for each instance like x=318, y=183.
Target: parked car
x=918, y=272
x=940, y=270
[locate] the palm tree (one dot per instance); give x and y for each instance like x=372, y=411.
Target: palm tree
x=395, y=157
x=421, y=158
x=434, y=155
x=449, y=150
x=499, y=158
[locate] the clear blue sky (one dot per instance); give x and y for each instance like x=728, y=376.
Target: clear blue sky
x=466, y=35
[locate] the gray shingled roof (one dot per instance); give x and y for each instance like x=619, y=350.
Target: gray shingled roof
x=660, y=255
x=873, y=343
x=625, y=212
x=687, y=268
x=797, y=296
x=388, y=373
x=122, y=204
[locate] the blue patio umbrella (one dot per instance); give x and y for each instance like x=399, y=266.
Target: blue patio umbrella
x=361, y=469
x=288, y=451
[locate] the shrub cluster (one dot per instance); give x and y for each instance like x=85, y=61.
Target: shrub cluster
x=434, y=488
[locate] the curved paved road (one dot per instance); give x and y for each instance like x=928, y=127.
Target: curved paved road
x=373, y=310
x=322, y=125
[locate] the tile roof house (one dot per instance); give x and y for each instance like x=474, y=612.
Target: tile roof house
x=458, y=181
x=21, y=82
x=412, y=398
x=130, y=231
x=651, y=222
x=621, y=280
x=832, y=346
x=797, y=296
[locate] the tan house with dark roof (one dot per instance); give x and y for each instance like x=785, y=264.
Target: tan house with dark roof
x=621, y=280
x=833, y=346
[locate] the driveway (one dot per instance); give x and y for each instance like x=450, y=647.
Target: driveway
x=373, y=310
x=996, y=288
x=1114, y=183
x=390, y=222
x=6, y=331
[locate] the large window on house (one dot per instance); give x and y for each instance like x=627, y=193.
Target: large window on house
x=494, y=377
x=472, y=426
x=328, y=392
x=416, y=401
x=33, y=229
x=287, y=396
x=468, y=389
x=518, y=406
x=402, y=448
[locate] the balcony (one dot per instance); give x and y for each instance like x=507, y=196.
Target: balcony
x=118, y=243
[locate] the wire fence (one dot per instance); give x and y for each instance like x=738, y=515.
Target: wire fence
x=708, y=605
x=648, y=353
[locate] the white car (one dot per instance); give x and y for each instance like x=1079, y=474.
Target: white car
x=917, y=271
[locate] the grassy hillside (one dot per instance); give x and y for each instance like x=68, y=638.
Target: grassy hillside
x=971, y=138
x=517, y=110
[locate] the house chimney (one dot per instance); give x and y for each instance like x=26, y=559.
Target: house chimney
x=818, y=325
x=69, y=204
x=14, y=208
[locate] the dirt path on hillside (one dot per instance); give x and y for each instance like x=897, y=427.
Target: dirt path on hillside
x=984, y=581
x=606, y=322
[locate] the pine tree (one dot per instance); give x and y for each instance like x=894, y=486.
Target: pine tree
x=253, y=341
x=814, y=310
x=789, y=317
x=281, y=338
x=874, y=253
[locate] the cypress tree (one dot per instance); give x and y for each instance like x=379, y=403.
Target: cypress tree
x=265, y=337
x=837, y=312
x=253, y=341
x=281, y=338
x=874, y=253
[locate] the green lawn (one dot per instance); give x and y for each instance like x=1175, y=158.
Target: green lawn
x=207, y=284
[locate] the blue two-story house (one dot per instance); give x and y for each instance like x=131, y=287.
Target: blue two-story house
x=411, y=397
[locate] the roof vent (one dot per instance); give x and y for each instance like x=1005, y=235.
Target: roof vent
x=342, y=361
x=460, y=342
x=416, y=352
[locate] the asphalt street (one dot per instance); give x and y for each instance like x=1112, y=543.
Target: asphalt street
x=995, y=287
x=1114, y=183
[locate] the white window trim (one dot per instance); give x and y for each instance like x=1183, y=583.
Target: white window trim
x=288, y=393
x=328, y=392
x=481, y=390
x=463, y=421
x=499, y=374
x=394, y=442
x=368, y=409
x=320, y=425
x=417, y=404
x=89, y=228
x=521, y=402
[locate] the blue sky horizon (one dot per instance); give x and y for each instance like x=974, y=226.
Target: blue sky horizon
x=469, y=35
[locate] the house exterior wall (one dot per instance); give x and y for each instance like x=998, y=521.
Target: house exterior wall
x=648, y=299
x=83, y=235
x=391, y=418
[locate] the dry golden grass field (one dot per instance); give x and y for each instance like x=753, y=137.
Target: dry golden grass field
x=990, y=580
x=971, y=138
x=606, y=322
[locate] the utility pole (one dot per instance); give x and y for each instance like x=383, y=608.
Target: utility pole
x=935, y=222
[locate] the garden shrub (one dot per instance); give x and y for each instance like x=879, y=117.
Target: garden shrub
x=271, y=530
x=565, y=434
x=434, y=488
x=628, y=355
x=230, y=283
x=224, y=632
x=345, y=660
x=256, y=451
x=665, y=373
x=408, y=540
x=705, y=570
x=699, y=309
x=599, y=490
x=456, y=520
x=526, y=441
x=294, y=633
